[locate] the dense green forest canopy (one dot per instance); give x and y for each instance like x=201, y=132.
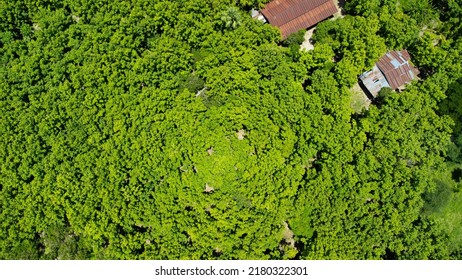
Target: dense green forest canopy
x=184, y=129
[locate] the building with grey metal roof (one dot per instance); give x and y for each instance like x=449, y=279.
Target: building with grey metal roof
x=393, y=70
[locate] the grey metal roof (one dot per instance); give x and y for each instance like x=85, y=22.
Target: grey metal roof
x=374, y=80
x=393, y=70
x=396, y=68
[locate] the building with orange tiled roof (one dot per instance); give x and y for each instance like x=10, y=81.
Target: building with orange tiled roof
x=291, y=16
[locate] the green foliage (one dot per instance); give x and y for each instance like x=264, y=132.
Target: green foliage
x=294, y=41
x=444, y=206
x=191, y=82
x=182, y=130
x=355, y=43
x=420, y=10
x=438, y=198
x=363, y=7
x=451, y=12
x=383, y=94
x=59, y=242
x=231, y=18
x=296, y=38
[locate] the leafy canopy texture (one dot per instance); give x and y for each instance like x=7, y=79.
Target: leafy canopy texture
x=186, y=130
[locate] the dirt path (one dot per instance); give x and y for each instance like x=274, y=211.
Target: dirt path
x=339, y=4
x=307, y=44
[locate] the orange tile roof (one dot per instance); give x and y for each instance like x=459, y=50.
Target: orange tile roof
x=293, y=15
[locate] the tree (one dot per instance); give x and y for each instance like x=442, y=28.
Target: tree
x=231, y=18
x=108, y=151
